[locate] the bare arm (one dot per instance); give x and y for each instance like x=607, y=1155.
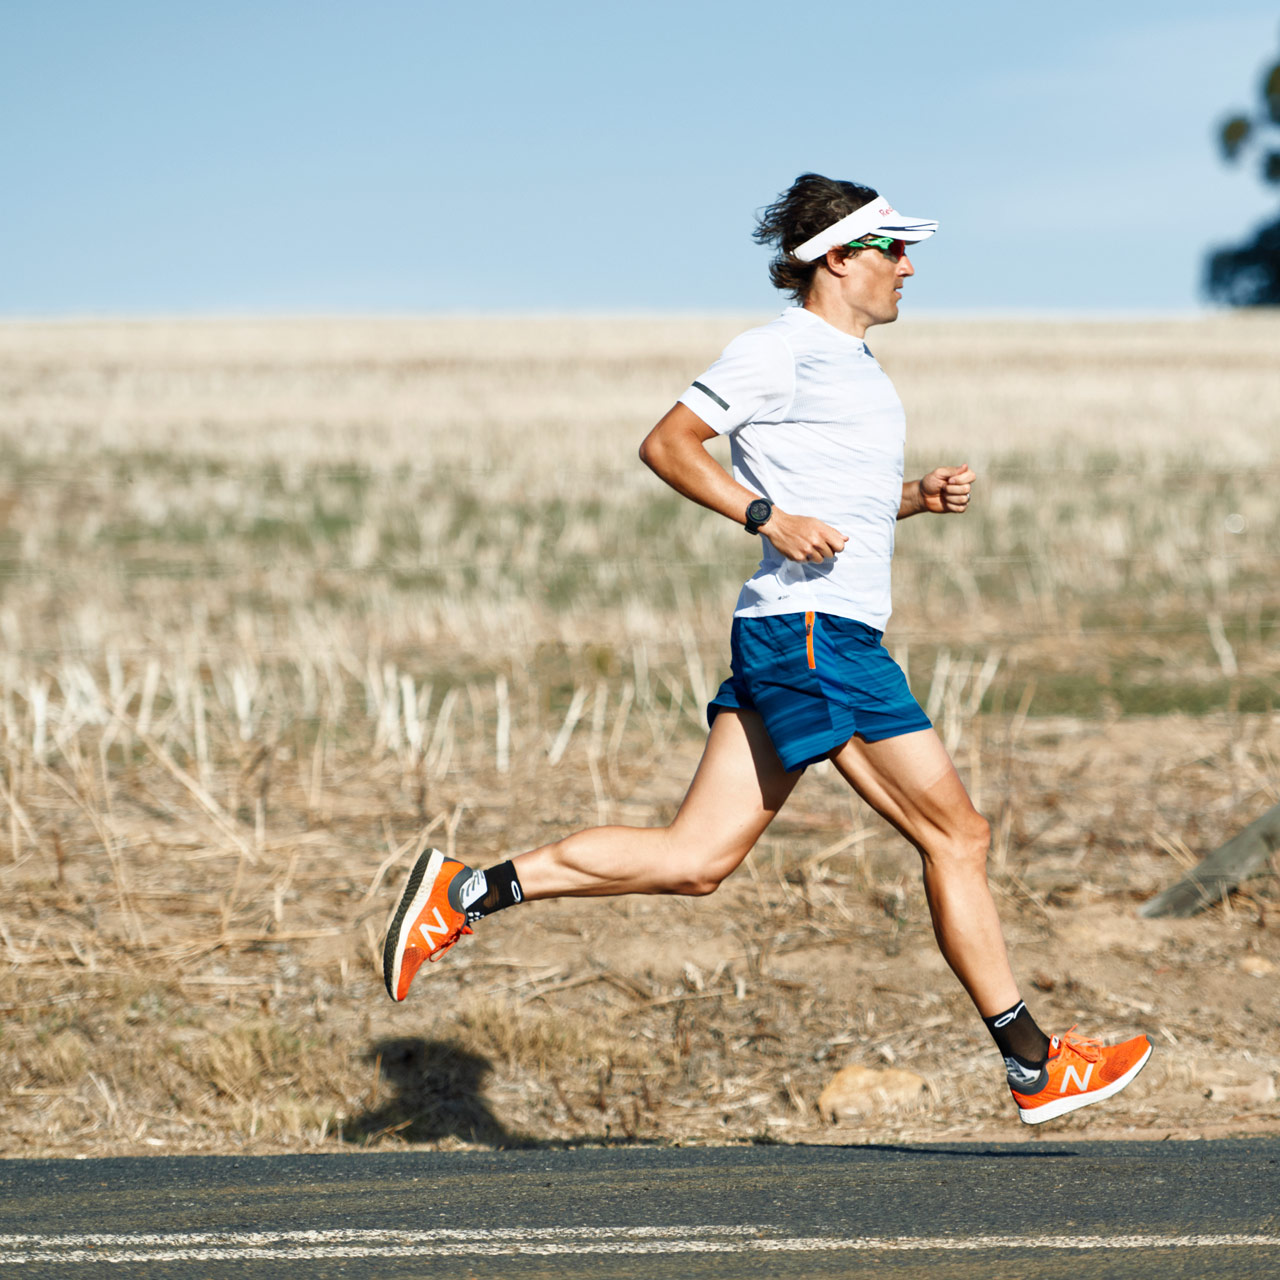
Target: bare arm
x=676, y=451
x=944, y=491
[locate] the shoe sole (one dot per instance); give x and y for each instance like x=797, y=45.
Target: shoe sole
x=416, y=892
x=1051, y=1110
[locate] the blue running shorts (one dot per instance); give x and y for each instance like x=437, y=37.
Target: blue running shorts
x=817, y=680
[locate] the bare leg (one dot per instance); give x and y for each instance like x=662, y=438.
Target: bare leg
x=739, y=786
x=911, y=782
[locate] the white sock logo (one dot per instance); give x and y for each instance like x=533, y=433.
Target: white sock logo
x=1007, y=1018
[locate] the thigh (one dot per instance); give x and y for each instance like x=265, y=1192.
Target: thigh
x=738, y=789
x=912, y=783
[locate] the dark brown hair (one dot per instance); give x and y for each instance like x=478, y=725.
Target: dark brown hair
x=809, y=205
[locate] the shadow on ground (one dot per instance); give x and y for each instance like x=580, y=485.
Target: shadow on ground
x=432, y=1089
x=428, y=1089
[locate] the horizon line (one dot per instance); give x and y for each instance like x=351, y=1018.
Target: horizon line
x=949, y=314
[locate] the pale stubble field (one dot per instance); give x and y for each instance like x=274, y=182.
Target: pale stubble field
x=284, y=600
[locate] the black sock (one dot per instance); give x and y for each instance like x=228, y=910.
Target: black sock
x=1023, y=1046
x=480, y=893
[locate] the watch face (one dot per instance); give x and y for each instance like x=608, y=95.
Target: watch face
x=759, y=511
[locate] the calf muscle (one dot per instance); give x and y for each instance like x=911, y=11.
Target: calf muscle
x=912, y=783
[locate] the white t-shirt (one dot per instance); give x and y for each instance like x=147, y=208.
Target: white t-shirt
x=815, y=426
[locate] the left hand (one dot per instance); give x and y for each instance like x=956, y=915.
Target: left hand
x=945, y=490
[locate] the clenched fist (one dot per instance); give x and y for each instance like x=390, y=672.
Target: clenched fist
x=803, y=537
x=945, y=490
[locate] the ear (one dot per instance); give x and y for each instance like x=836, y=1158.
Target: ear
x=837, y=263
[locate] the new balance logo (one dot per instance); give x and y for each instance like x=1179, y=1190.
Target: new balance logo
x=1082, y=1083
x=439, y=927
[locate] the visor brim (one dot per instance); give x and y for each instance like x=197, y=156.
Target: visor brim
x=877, y=218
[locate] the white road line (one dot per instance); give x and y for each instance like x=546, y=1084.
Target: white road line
x=348, y=1235
x=225, y=1246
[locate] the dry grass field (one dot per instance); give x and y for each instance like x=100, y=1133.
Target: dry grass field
x=281, y=602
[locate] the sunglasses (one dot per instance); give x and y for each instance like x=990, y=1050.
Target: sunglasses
x=891, y=248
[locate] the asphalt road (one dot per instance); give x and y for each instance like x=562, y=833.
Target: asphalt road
x=1038, y=1209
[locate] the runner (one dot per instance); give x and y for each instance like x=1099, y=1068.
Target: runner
x=817, y=434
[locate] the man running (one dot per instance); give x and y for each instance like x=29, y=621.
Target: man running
x=817, y=437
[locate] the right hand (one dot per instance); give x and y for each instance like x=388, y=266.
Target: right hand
x=803, y=537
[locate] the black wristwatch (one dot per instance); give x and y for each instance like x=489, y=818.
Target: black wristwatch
x=758, y=513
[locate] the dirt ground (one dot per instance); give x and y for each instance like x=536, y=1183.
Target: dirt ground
x=799, y=966
x=708, y=1020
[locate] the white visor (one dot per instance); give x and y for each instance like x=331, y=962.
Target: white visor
x=879, y=218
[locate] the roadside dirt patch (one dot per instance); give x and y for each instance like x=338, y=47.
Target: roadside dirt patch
x=656, y=1020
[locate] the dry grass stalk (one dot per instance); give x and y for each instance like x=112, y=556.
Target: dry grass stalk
x=241, y=653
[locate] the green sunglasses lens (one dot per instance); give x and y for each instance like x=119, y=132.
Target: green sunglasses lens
x=887, y=245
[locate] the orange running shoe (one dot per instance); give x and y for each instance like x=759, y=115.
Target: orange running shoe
x=428, y=921
x=1079, y=1072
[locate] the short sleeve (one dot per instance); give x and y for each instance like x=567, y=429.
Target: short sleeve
x=753, y=378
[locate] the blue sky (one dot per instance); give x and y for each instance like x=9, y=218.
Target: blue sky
x=169, y=156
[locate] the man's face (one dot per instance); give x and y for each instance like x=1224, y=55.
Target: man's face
x=873, y=285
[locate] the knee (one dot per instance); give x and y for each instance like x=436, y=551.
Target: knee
x=697, y=882
x=965, y=847
x=704, y=872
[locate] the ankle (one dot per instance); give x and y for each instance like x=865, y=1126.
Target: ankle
x=477, y=894
x=1019, y=1038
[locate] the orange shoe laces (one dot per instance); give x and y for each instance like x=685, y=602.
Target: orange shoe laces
x=448, y=942
x=1088, y=1048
